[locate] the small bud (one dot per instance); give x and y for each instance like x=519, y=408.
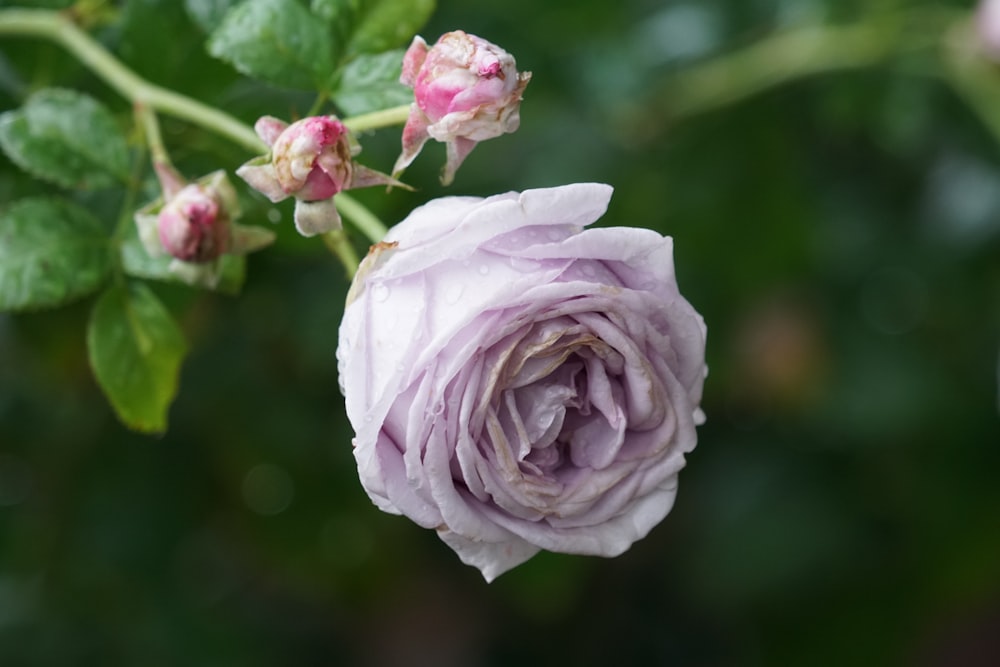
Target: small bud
x=193, y=227
x=194, y=223
x=310, y=160
x=466, y=90
x=313, y=158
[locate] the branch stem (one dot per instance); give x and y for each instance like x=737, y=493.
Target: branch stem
x=365, y=221
x=58, y=28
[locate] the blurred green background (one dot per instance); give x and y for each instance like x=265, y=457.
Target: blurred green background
x=841, y=235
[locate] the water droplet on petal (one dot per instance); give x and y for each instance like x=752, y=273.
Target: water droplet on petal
x=453, y=293
x=380, y=292
x=523, y=264
x=483, y=269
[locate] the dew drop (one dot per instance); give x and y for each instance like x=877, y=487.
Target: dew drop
x=483, y=269
x=523, y=264
x=453, y=293
x=380, y=292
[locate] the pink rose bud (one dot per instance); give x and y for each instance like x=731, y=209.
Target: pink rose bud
x=193, y=227
x=465, y=89
x=195, y=223
x=987, y=26
x=310, y=160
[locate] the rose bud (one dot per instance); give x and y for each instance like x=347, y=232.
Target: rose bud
x=194, y=223
x=193, y=227
x=465, y=90
x=310, y=160
x=517, y=382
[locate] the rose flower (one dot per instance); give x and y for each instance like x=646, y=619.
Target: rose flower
x=519, y=383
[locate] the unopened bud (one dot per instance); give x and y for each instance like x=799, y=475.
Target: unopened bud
x=310, y=160
x=195, y=223
x=193, y=227
x=465, y=89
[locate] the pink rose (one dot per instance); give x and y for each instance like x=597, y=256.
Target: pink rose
x=465, y=89
x=311, y=160
x=519, y=383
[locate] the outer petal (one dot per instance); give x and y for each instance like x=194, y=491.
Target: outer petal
x=264, y=179
x=414, y=137
x=316, y=217
x=413, y=60
x=490, y=558
x=268, y=128
x=458, y=150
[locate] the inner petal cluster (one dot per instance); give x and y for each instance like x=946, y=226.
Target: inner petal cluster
x=557, y=414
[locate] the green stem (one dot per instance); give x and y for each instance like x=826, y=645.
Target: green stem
x=151, y=129
x=801, y=53
x=147, y=97
x=338, y=244
x=377, y=119
x=318, y=104
x=366, y=221
x=58, y=28
x=770, y=63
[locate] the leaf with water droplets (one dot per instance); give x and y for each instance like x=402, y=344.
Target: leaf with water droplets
x=371, y=82
x=51, y=252
x=278, y=41
x=67, y=138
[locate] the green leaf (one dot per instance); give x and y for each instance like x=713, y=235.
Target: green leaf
x=138, y=263
x=208, y=14
x=374, y=26
x=67, y=138
x=136, y=350
x=370, y=83
x=278, y=41
x=51, y=251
